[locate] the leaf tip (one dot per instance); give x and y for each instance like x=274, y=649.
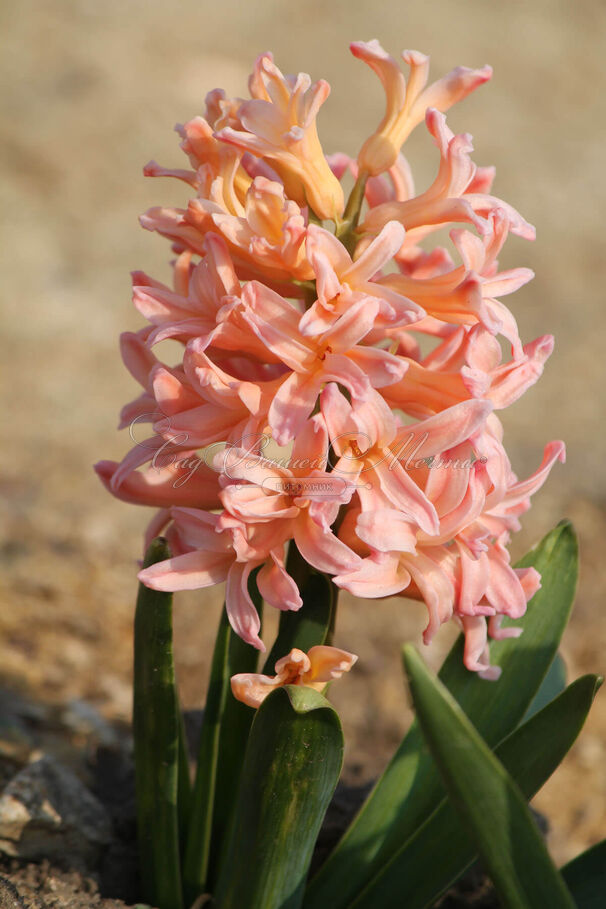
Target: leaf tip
x=303, y=699
x=157, y=551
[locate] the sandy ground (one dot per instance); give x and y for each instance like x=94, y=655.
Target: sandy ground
x=93, y=92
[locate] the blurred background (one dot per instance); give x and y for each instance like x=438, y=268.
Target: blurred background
x=91, y=93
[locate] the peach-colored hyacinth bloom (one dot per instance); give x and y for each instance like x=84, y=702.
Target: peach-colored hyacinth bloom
x=337, y=386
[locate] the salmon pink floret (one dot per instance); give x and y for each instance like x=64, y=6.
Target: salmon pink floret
x=314, y=669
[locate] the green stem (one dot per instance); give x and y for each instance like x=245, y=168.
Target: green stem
x=346, y=229
x=184, y=788
x=235, y=727
x=330, y=634
x=156, y=734
x=312, y=217
x=196, y=862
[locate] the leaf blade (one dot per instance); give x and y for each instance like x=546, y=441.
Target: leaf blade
x=489, y=804
x=552, y=685
x=156, y=735
x=440, y=850
x=291, y=768
x=585, y=877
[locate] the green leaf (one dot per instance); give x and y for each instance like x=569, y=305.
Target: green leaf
x=553, y=684
x=197, y=852
x=291, y=769
x=156, y=734
x=233, y=736
x=184, y=787
x=440, y=851
x=311, y=624
x=585, y=877
x=490, y=805
x=410, y=788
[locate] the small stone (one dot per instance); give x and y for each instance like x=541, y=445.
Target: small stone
x=46, y=812
x=83, y=719
x=16, y=743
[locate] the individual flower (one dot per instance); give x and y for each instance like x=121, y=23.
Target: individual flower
x=204, y=554
x=341, y=282
x=300, y=501
x=266, y=231
x=334, y=356
x=406, y=103
x=459, y=193
x=373, y=449
x=279, y=124
x=314, y=669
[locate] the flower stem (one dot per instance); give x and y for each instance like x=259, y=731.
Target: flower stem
x=346, y=229
x=195, y=865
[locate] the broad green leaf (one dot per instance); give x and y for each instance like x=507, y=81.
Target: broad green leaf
x=585, y=877
x=197, y=852
x=488, y=802
x=235, y=727
x=311, y=624
x=291, y=768
x=440, y=851
x=156, y=734
x=553, y=684
x=410, y=788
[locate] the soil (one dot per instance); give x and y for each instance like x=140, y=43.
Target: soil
x=46, y=887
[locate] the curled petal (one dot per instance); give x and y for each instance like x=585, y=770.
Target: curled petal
x=519, y=492
x=387, y=530
x=241, y=611
x=277, y=587
x=441, y=432
x=187, y=572
x=190, y=482
x=475, y=654
x=436, y=589
x=404, y=493
x=252, y=688
x=503, y=590
x=323, y=550
x=292, y=405
x=327, y=664
x=379, y=575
